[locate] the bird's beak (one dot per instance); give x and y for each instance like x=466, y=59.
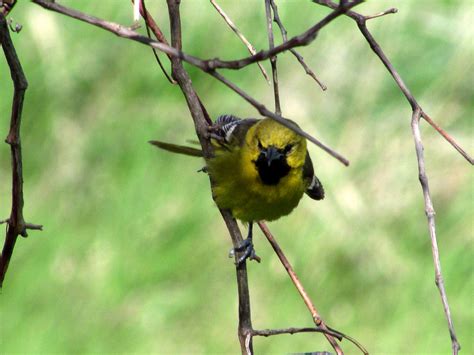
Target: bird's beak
x=272, y=154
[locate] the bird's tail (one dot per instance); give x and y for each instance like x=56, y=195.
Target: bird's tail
x=178, y=149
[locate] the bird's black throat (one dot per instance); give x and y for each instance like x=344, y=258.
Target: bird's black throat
x=271, y=171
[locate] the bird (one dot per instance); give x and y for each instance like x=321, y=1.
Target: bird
x=260, y=171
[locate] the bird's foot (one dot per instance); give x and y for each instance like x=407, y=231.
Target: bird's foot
x=248, y=252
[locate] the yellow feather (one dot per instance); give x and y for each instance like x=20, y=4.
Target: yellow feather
x=238, y=186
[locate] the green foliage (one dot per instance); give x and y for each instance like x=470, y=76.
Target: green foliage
x=133, y=254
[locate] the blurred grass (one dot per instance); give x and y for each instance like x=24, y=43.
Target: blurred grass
x=133, y=255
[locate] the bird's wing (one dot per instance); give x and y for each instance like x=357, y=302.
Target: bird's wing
x=231, y=129
x=315, y=189
x=227, y=131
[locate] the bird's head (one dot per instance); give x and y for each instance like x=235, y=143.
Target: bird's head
x=275, y=150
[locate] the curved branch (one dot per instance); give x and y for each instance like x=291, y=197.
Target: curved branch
x=361, y=21
x=417, y=112
x=16, y=224
x=178, y=54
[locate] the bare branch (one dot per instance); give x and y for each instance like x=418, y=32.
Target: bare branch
x=239, y=34
x=361, y=23
x=447, y=137
x=430, y=215
x=200, y=118
x=416, y=114
x=150, y=23
x=284, y=121
x=383, y=13
x=210, y=64
x=177, y=53
x=293, y=51
x=309, y=304
x=273, y=59
x=271, y=332
x=15, y=223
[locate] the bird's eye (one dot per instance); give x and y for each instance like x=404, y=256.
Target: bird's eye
x=288, y=148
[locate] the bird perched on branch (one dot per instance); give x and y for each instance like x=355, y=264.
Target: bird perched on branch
x=260, y=170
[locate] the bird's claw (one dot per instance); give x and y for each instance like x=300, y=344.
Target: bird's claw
x=248, y=252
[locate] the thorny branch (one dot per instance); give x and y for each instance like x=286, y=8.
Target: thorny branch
x=418, y=112
x=16, y=224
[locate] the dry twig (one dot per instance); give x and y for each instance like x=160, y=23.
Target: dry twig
x=316, y=318
x=284, y=36
x=361, y=21
x=273, y=59
x=16, y=224
x=151, y=24
x=201, y=119
x=239, y=34
x=209, y=66
x=307, y=300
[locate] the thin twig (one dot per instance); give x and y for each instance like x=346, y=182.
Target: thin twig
x=383, y=13
x=291, y=331
x=16, y=224
x=361, y=23
x=150, y=23
x=284, y=35
x=430, y=215
x=284, y=121
x=447, y=137
x=124, y=32
x=307, y=300
x=351, y=339
x=210, y=64
x=276, y=92
x=239, y=34
x=309, y=304
x=416, y=114
x=200, y=117
x=273, y=59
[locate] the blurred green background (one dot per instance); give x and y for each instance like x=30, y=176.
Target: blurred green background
x=133, y=256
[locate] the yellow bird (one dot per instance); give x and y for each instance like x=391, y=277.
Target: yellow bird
x=260, y=170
